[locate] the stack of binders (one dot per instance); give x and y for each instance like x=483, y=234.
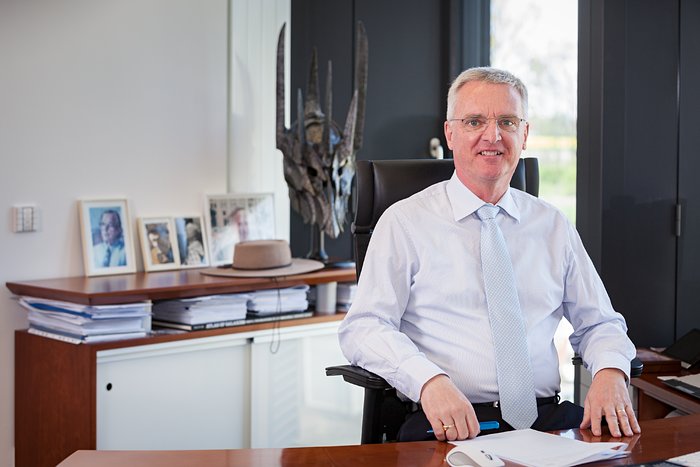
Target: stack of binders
x=77, y=324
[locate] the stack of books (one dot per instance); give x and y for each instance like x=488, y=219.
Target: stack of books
x=208, y=312
x=77, y=324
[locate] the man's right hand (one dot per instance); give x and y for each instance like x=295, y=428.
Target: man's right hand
x=445, y=406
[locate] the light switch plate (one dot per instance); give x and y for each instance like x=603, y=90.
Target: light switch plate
x=25, y=218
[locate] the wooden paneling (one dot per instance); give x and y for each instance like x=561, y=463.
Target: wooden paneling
x=47, y=371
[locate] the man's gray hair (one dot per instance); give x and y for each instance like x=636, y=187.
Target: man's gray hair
x=488, y=75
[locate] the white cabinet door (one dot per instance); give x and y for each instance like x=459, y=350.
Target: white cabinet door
x=293, y=402
x=189, y=394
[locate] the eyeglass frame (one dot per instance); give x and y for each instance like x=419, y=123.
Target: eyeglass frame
x=488, y=119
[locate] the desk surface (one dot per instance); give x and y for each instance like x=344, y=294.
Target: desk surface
x=660, y=439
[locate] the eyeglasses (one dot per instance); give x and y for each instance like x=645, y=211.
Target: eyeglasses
x=509, y=124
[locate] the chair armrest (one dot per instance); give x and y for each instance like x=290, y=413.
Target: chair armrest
x=636, y=365
x=358, y=376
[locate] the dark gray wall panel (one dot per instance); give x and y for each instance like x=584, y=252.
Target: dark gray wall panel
x=629, y=152
x=688, y=308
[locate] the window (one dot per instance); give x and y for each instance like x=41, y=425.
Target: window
x=537, y=40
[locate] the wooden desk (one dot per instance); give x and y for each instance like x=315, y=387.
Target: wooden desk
x=656, y=400
x=660, y=439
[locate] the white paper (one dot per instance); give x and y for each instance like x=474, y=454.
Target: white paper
x=538, y=449
x=687, y=460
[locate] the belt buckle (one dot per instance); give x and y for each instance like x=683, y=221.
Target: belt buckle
x=496, y=404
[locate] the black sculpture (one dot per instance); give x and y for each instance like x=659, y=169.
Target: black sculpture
x=319, y=158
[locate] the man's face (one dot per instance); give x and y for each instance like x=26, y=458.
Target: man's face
x=109, y=228
x=153, y=238
x=487, y=157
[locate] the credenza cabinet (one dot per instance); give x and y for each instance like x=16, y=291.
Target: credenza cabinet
x=259, y=385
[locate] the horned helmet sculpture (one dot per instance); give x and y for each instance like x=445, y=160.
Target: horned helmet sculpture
x=319, y=157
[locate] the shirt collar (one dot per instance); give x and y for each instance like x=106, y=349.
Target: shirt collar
x=464, y=202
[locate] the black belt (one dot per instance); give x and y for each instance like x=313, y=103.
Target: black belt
x=540, y=401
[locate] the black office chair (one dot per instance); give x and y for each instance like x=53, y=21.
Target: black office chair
x=381, y=183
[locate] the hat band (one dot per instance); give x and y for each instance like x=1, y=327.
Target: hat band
x=261, y=269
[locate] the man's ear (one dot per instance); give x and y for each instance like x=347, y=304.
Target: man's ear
x=448, y=134
x=527, y=131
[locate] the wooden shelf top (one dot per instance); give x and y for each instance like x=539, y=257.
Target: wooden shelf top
x=126, y=288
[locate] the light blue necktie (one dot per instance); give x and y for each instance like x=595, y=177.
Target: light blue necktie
x=515, y=382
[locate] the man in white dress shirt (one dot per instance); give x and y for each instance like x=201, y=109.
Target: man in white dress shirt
x=420, y=318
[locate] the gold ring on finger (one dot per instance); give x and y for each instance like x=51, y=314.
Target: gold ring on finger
x=447, y=427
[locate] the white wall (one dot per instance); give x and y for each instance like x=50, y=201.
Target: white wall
x=113, y=98
x=256, y=164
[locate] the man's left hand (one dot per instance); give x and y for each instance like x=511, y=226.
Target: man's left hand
x=609, y=397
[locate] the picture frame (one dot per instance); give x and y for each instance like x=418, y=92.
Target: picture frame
x=106, y=234
x=232, y=218
x=191, y=242
x=159, y=246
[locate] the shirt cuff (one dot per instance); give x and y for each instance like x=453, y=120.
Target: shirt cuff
x=417, y=370
x=617, y=361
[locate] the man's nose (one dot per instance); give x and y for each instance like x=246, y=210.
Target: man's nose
x=491, y=132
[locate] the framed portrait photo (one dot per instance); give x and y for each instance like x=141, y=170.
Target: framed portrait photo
x=158, y=243
x=235, y=218
x=190, y=241
x=105, y=228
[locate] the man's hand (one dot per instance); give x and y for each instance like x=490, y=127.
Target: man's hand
x=608, y=396
x=448, y=410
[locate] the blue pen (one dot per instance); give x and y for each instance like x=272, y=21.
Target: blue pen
x=490, y=425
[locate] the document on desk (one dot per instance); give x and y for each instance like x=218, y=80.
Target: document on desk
x=690, y=384
x=538, y=449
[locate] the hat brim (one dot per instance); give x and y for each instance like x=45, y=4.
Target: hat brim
x=298, y=266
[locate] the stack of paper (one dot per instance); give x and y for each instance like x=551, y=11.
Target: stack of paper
x=75, y=323
x=538, y=449
x=345, y=295
x=274, y=302
x=208, y=312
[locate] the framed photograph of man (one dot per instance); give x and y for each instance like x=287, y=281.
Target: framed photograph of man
x=235, y=218
x=190, y=241
x=105, y=229
x=158, y=243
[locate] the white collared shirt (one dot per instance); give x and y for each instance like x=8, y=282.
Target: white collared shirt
x=420, y=308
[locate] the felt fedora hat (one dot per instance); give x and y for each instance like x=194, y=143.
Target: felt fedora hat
x=264, y=258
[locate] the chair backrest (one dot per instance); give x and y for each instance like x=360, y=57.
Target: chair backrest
x=381, y=183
